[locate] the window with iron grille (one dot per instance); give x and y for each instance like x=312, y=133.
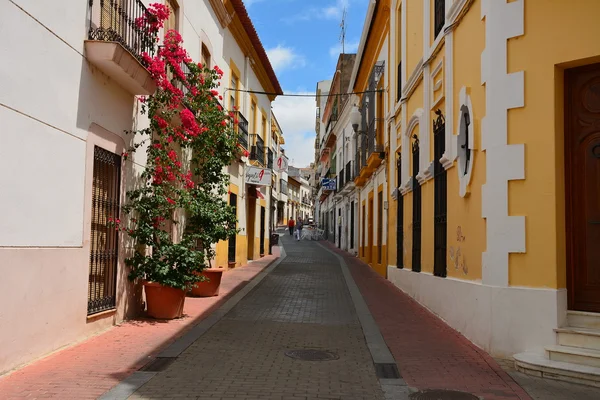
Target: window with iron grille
x=416, y=230
x=399, y=219
x=231, y=250
x=440, y=232
x=399, y=82
x=439, y=17
x=104, y=240
x=379, y=226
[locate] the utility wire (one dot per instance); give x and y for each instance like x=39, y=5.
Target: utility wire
x=302, y=95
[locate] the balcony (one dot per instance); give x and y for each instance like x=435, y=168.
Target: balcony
x=116, y=42
x=257, y=151
x=359, y=180
x=270, y=159
x=242, y=129
x=375, y=151
x=349, y=174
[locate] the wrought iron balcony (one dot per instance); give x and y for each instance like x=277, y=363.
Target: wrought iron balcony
x=372, y=145
x=270, y=159
x=257, y=151
x=242, y=129
x=117, y=38
x=349, y=172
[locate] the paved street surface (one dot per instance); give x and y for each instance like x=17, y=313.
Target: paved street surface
x=302, y=304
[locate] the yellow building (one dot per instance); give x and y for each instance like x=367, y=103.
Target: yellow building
x=489, y=122
x=370, y=80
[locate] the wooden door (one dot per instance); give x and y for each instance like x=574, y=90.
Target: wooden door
x=371, y=231
x=582, y=186
x=250, y=226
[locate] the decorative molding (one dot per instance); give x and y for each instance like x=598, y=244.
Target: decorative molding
x=413, y=81
x=456, y=10
x=449, y=156
x=436, y=82
x=221, y=11
x=464, y=179
x=414, y=120
x=407, y=186
x=425, y=174
x=505, y=234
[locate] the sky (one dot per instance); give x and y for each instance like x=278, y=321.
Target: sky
x=302, y=40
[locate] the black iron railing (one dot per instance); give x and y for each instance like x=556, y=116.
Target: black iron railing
x=439, y=17
x=257, y=151
x=399, y=218
x=349, y=172
x=399, y=82
x=242, y=129
x=372, y=144
x=341, y=179
x=270, y=159
x=440, y=233
x=123, y=22
x=104, y=239
x=416, y=228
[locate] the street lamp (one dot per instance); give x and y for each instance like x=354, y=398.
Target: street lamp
x=355, y=118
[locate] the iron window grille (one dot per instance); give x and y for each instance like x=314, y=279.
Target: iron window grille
x=439, y=17
x=399, y=82
x=257, y=151
x=232, y=244
x=104, y=239
x=119, y=21
x=399, y=219
x=242, y=129
x=465, y=146
x=416, y=230
x=349, y=175
x=440, y=198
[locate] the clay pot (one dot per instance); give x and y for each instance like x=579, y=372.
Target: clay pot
x=209, y=287
x=163, y=302
x=231, y=264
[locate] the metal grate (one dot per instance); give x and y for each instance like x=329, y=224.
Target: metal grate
x=387, y=371
x=440, y=16
x=115, y=21
x=400, y=219
x=232, y=244
x=440, y=232
x=416, y=229
x=312, y=355
x=104, y=240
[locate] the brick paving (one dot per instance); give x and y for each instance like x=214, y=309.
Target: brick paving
x=88, y=369
x=302, y=304
x=429, y=353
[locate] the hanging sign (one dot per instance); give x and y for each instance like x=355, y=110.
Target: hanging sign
x=328, y=184
x=258, y=176
x=281, y=164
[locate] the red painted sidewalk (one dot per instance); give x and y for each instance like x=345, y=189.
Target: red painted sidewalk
x=88, y=369
x=429, y=353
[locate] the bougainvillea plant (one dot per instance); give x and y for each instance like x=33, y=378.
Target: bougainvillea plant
x=179, y=212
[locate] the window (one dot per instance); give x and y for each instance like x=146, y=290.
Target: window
x=252, y=118
x=233, y=94
x=173, y=21
x=399, y=53
x=104, y=240
x=416, y=245
x=379, y=226
x=205, y=57
x=439, y=17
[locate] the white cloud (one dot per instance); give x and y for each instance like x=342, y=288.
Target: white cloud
x=284, y=57
x=349, y=48
x=296, y=116
x=333, y=11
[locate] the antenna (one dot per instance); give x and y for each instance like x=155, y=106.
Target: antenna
x=342, y=37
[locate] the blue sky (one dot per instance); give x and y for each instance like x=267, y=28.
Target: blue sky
x=302, y=40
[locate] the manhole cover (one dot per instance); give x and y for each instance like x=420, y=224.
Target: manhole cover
x=440, y=394
x=312, y=355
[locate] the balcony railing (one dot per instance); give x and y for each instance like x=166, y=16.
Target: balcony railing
x=341, y=179
x=349, y=172
x=372, y=145
x=257, y=151
x=242, y=129
x=270, y=159
x=122, y=22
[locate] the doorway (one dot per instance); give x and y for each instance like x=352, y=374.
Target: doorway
x=582, y=186
x=262, y=231
x=250, y=225
x=371, y=232
x=232, y=245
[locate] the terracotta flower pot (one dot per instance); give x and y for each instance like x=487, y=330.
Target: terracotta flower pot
x=163, y=302
x=209, y=287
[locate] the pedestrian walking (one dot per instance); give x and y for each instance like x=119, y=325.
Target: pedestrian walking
x=291, y=224
x=299, y=227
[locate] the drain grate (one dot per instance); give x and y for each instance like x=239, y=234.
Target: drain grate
x=312, y=355
x=158, y=364
x=387, y=371
x=440, y=394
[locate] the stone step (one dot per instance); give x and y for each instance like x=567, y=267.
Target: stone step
x=583, y=319
x=536, y=364
x=574, y=355
x=579, y=337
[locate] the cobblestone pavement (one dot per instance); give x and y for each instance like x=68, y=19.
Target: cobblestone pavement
x=303, y=303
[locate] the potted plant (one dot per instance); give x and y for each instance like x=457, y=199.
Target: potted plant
x=177, y=212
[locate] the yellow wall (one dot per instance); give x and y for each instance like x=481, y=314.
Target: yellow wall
x=466, y=227
x=557, y=37
x=414, y=35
